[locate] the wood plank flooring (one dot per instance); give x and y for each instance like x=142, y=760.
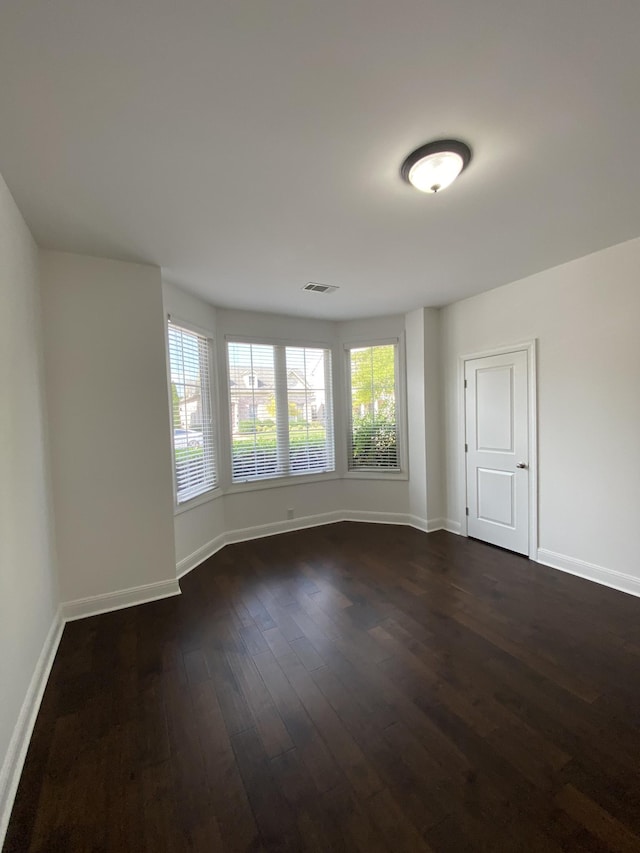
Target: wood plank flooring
x=346, y=688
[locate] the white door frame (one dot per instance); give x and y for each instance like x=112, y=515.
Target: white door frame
x=530, y=348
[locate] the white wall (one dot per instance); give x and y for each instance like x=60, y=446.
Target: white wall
x=424, y=415
x=109, y=423
x=416, y=413
x=434, y=420
x=28, y=583
x=585, y=315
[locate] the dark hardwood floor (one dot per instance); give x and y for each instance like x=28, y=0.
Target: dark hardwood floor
x=349, y=687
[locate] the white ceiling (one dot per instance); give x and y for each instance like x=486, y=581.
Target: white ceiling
x=251, y=146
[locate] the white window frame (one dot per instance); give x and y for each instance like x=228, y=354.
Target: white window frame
x=216, y=490
x=402, y=472
x=279, y=480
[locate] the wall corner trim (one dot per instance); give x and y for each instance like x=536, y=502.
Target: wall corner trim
x=95, y=604
x=426, y=525
x=590, y=571
x=423, y=524
x=11, y=769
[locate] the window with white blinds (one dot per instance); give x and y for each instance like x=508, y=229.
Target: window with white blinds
x=281, y=411
x=192, y=416
x=373, y=423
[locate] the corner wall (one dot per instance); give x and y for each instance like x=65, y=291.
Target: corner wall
x=585, y=316
x=28, y=581
x=424, y=417
x=109, y=428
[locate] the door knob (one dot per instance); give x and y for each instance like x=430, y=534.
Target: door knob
x=521, y=465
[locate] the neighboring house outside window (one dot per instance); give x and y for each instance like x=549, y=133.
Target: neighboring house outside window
x=373, y=441
x=190, y=366
x=281, y=412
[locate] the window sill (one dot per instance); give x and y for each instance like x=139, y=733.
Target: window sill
x=198, y=500
x=373, y=474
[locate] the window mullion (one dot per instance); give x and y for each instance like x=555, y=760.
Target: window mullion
x=282, y=409
x=328, y=413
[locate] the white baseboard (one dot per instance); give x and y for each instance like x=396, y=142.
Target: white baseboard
x=590, y=571
x=375, y=517
x=82, y=607
x=425, y=525
x=17, y=751
x=194, y=559
x=452, y=526
x=422, y=524
x=244, y=534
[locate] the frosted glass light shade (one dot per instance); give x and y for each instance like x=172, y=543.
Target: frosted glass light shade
x=436, y=165
x=436, y=171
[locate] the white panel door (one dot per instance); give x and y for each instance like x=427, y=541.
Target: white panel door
x=497, y=449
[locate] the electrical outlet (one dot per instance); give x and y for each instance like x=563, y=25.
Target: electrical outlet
x=290, y=512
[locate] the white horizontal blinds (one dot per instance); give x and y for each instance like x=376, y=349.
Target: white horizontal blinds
x=192, y=416
x=373, y=422
x=281, y=411
x=310, y=410
x=252, y=396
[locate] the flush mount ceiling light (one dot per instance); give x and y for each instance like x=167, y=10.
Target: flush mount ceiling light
x=434, y=166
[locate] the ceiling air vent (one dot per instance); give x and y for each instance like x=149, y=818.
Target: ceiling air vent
x=319, y=288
